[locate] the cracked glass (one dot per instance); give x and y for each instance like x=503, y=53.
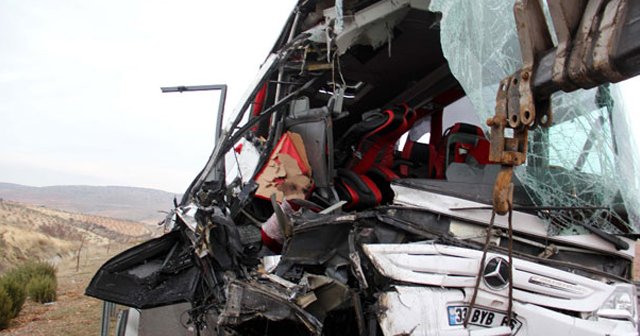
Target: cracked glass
x=583, y=168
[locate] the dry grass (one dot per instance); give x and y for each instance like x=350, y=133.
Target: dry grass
x=56, y=221
x=121, y=226
x=29, y=232
x=73, y=313
x=21, y=244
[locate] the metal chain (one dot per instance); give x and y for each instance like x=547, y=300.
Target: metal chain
x=510, y=306
x=480, y=269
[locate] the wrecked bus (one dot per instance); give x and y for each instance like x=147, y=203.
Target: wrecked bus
x=411, y=167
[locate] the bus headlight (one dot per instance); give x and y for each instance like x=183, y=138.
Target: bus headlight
x=621, y=305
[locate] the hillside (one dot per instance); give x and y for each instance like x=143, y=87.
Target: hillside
x=136, y=204
x=34, y=232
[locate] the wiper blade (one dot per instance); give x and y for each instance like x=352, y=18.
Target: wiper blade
x=538, y=208
x=617, y=242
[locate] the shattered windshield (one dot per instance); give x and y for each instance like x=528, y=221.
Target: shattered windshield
x=585, y=160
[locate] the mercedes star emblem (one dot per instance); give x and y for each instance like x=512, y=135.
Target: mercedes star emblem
x=496, y=273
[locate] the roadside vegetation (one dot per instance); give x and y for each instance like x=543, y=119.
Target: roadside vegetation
x=77, y=245
x=34, y=279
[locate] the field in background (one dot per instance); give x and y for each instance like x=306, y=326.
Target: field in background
x=129, y=203
x=35, y=232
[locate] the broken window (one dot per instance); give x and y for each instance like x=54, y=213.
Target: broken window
x=582, y=168
x=241, y=161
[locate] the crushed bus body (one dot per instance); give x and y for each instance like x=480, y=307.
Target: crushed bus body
x=413, y=167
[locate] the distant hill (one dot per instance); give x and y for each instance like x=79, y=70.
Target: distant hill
x=136, y=204
x=35, y=232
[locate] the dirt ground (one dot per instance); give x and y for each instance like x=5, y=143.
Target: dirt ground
x=72, y=313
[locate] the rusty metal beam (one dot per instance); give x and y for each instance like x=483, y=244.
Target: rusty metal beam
x=615, y=52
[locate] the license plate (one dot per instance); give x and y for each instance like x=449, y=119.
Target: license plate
x=481, y=317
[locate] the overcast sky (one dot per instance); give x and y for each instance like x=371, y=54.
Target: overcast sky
x=79, y=85
x=80, y=99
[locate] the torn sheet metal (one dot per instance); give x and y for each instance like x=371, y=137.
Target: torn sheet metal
x=356, y=263
x=325, y=294
x=156, y=273
x=270, y=263
x=316, y=245
x=371, y=26
x=187, y=214
x=417, y=311
x=251, y=301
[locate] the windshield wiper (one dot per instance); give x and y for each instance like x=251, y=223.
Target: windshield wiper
x=535, y=208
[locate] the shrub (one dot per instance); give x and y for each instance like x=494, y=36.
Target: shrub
x=42, y=289
x=38, y=268
x=34, y=278
x=32, y=269
x=16, y=290
x=5, y=309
